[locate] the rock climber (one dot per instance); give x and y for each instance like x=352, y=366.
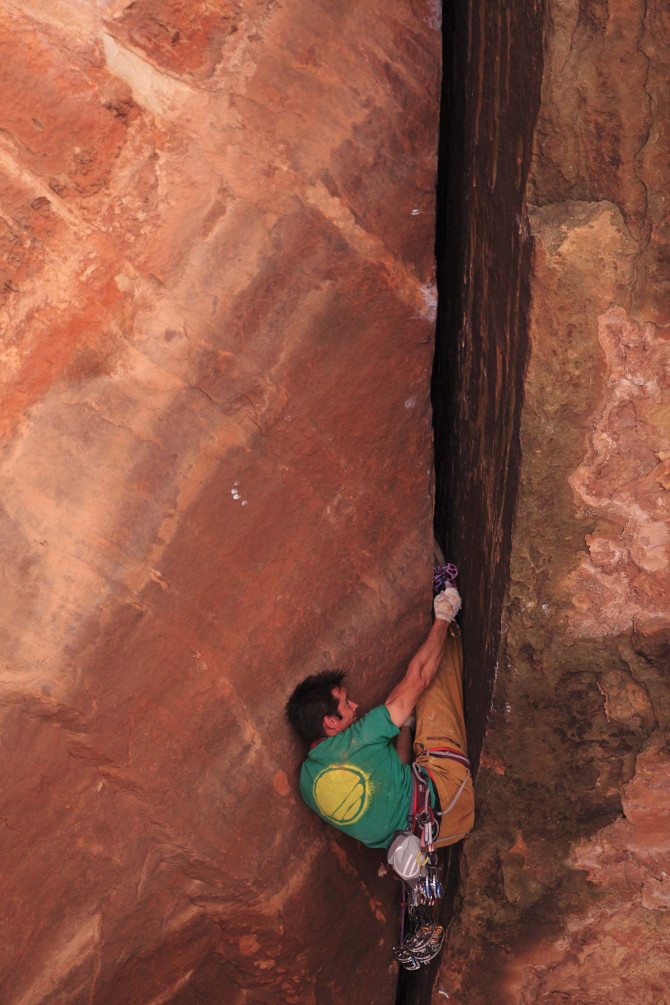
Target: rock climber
x=357, y=774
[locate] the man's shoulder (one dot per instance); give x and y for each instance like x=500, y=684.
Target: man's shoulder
x=379, y=720
x=374, y=726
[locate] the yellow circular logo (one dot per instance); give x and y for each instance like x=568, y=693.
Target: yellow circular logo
x=341, y=793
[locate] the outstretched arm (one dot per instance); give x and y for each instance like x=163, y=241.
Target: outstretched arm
x=420, y=672
x=425, y=664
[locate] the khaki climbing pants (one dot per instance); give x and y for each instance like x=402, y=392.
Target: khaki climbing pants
x=440, y=723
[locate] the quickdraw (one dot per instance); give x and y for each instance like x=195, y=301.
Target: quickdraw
x=423, y=822
x=422, y=942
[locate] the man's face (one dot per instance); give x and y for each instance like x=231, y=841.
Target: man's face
x=346, y=708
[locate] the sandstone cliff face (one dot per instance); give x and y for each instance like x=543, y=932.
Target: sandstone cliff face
x=218, y=303
x=565, y=881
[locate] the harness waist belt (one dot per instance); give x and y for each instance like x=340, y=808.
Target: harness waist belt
x=450, y=754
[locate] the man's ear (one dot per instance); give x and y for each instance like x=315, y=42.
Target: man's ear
x=330, y=724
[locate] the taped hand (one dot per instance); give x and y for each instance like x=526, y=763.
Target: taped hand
x=447, y=604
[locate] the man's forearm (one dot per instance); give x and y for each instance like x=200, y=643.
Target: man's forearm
x=429, y=655
x=420, y=672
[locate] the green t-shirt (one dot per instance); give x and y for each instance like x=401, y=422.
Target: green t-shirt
x=356, y=781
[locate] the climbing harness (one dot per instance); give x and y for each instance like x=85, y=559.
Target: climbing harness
x=412, y=855
x=411, y=851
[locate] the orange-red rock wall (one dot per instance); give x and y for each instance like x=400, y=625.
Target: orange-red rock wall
x=218, y=304
x=564, y=882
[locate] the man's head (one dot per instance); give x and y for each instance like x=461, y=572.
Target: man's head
x=321, y=706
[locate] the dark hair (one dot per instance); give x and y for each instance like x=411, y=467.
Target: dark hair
x=311, y=700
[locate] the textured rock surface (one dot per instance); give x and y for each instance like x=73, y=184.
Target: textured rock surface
x=493, y=59
x=564, y=883
x=218, y=301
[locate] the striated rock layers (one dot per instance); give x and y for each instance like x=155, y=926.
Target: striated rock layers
x=218, y=307
x=565, y=881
